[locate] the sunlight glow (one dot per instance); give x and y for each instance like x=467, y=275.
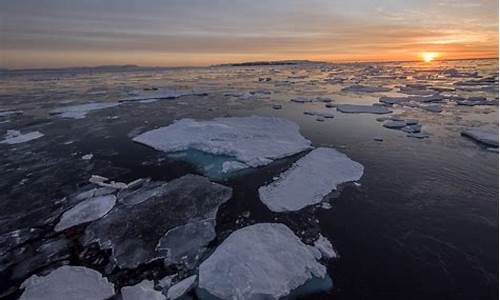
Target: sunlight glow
x=429, y=56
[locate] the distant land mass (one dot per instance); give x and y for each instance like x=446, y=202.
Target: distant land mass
x=270, y=63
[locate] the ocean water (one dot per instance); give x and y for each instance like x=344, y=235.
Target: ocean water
x=421, y=224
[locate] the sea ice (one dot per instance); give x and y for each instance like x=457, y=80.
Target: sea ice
x=184, y=244
x=358, y=88
x=261, y=261
x=160, y=93
x=487, y=136
x=68, y=282
x=133, y=232
x=369, y=109
x=181, y=288
x=254, y=141
x=325, y=247
x=80, y=111
x=393, y=124
x=16, y=137
x=309, y=180
x=86, y=211
x=142, y=291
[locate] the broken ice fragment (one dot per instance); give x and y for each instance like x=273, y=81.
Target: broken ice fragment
x=142, y=291
x=261, y=261
x=86, y=211
x=80, y=111
x=88, y=156
x=184, y=244
x=15, y=137
x=325, y=247
x=487, y=136
x=181, y=288
x=358, y=88
x=368, y=109
x=68, y=282
x=309, y=180
x=394, y=124
x=132, y=232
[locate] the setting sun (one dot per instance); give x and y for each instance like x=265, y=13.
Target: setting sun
x=428, y=56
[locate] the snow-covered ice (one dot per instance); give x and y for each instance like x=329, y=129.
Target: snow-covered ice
x=16, y=137
x=181, y=288
x=368, y=109
x=325, y=247
x=80, y=111
x=86, y=211
x=68, y=282
x=144, y=290
x=132, y=232
x=309, y=180
x=487, y=136
x=261, y=261
x=254, y=141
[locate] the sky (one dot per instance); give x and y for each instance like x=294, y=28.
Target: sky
x=62, y=33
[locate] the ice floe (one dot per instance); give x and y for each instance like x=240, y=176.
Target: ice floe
x=80, y=111
x=487, y=136
x=144, y=290
x=68, y=282
x=325, y=247
x=358, y=88
x=16, y=137
x=254, y=141
x=261, y=261
x=86, y=211
x=181, y=288
x=368, y=109
x=309, y=180
x=132, y=232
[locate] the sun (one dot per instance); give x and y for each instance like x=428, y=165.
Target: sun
x=428, y=56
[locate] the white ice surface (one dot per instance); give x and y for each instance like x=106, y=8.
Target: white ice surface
x=86, y=211
x=80, y=111
x=261, y=261
x=144, y=290
x=182, y=287
x=309, y=180
x=16, y=137
x=325, y=247
x=488, y=136
x=68, y=282
x=255, y=141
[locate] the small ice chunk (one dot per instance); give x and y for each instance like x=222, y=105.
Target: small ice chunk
x=254, y=141
x=394, y=124
x=181, y=288
x=142, y=291
x=232, y=166
x=325, y=247
x=16, y=137
x=487, y=136
x=358, y=88
x=359, y=109
x=86, y=211
x=80, y=111
x=277, y=106
x=309, y=180
x=68, y=282
x=412, y=128
x=302, y=100
x=88, y=156
x=437, y=108
x=97, y=179
x=261, y=261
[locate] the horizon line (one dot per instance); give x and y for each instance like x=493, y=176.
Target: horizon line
x=231, y=63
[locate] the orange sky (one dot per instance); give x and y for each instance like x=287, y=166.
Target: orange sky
x=57, y=33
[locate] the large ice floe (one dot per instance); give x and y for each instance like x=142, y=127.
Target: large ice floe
x=136, y=226
x=261, y=261
x=309, y=180
x=367, y=109
x=250, y=141
x=80, y=111
x=88, y=210
x=487, y=136
x=68, y=282
x=16, y=137
x=144, y=290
